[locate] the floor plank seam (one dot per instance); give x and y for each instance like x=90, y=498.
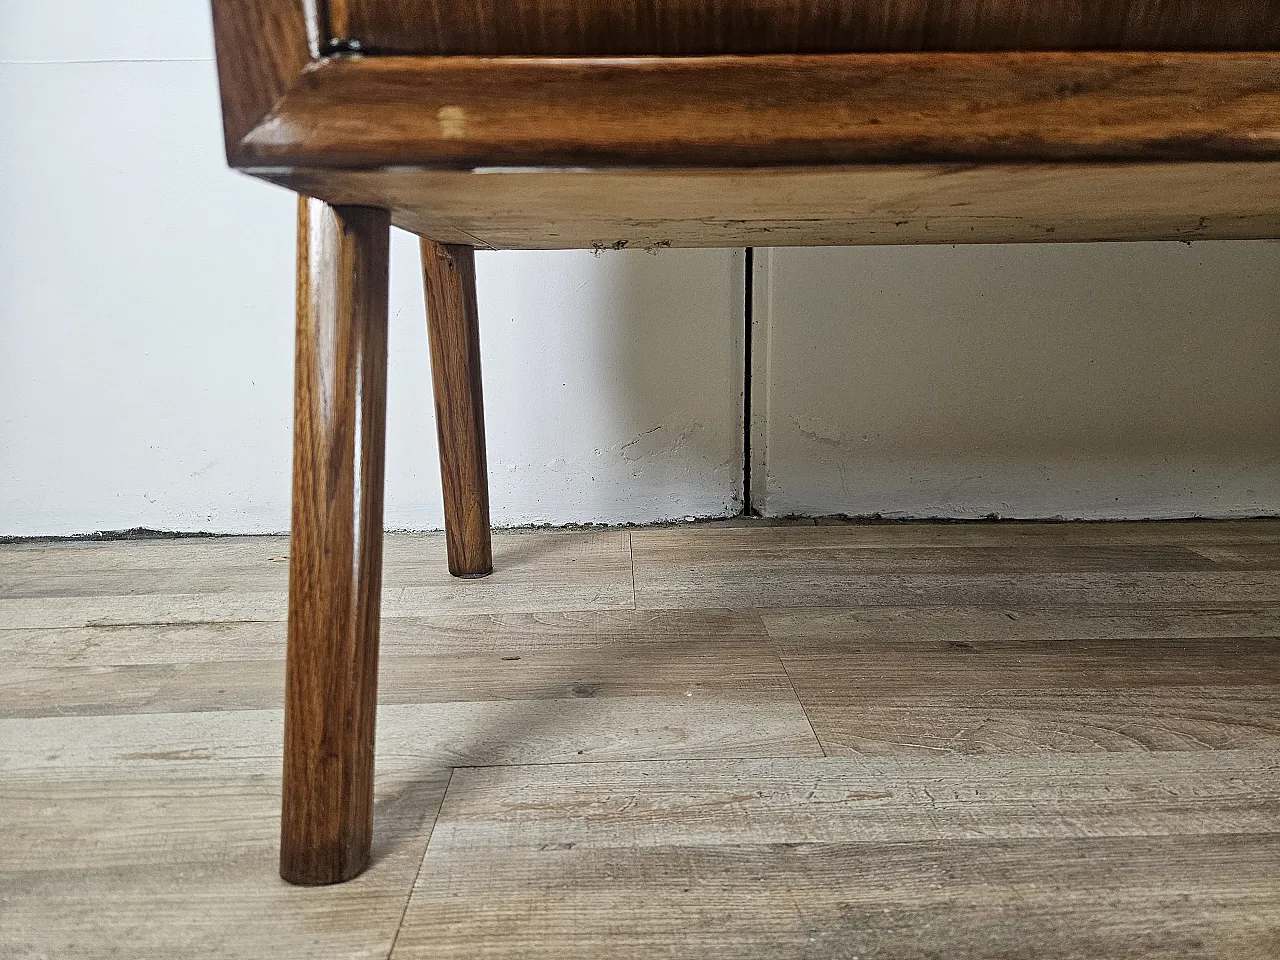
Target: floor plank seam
x=435, y=822
x=631, y=552
x=796, y=693
x=1094, y=777
x=726, y=757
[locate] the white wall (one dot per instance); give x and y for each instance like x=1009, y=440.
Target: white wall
x=1066, y=380
x=146, y=321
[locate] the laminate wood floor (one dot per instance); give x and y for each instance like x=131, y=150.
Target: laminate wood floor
x=728, y=740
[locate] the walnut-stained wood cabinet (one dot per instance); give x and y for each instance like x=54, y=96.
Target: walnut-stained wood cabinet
x=526, y=124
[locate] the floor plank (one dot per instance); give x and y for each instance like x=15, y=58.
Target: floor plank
x=144, y=643
x=837, y=585
x=1164, y=855
x=155, y=865
x=154, y=835
x=702, y=656
x=966, y=681
x=1048, y=740
x=1151, y=897
x=425, y=736
x=911, y=565
x=197, y=579
x=795, y=629
x=832, y=534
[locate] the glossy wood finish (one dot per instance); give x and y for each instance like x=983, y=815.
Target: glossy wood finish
x=766, y=111
x=262, y=47
x=292, y=114
x=449, y=278
x=335, y=553
x=910, y=203
x=574, y=27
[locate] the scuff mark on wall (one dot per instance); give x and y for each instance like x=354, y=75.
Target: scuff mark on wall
x=631, y=443
x=817, y=431
x=659, y=447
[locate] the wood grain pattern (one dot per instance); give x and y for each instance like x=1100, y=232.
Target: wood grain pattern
x=774, y=110
x=158, y=836
x=544, y=571
x=568, y=28
x=77, y=564
x=835, y=534
x=1201, y=898
x=969, y=696
x=160, y=864
x=594, y=633
x=1049, y=857
x=654, y=209
x=797, y=629
x=714, y=567
x=335, y=557
x=262, y=47
x=453, y=331
x=1058, y=779
x=742, y=672
x=417, y=738
x=779, y=801
x=696, y=657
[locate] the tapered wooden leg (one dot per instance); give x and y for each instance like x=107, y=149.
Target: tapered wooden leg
x=449, y=274
x=335, y=554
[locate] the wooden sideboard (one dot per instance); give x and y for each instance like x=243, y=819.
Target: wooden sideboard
x=537, y=124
